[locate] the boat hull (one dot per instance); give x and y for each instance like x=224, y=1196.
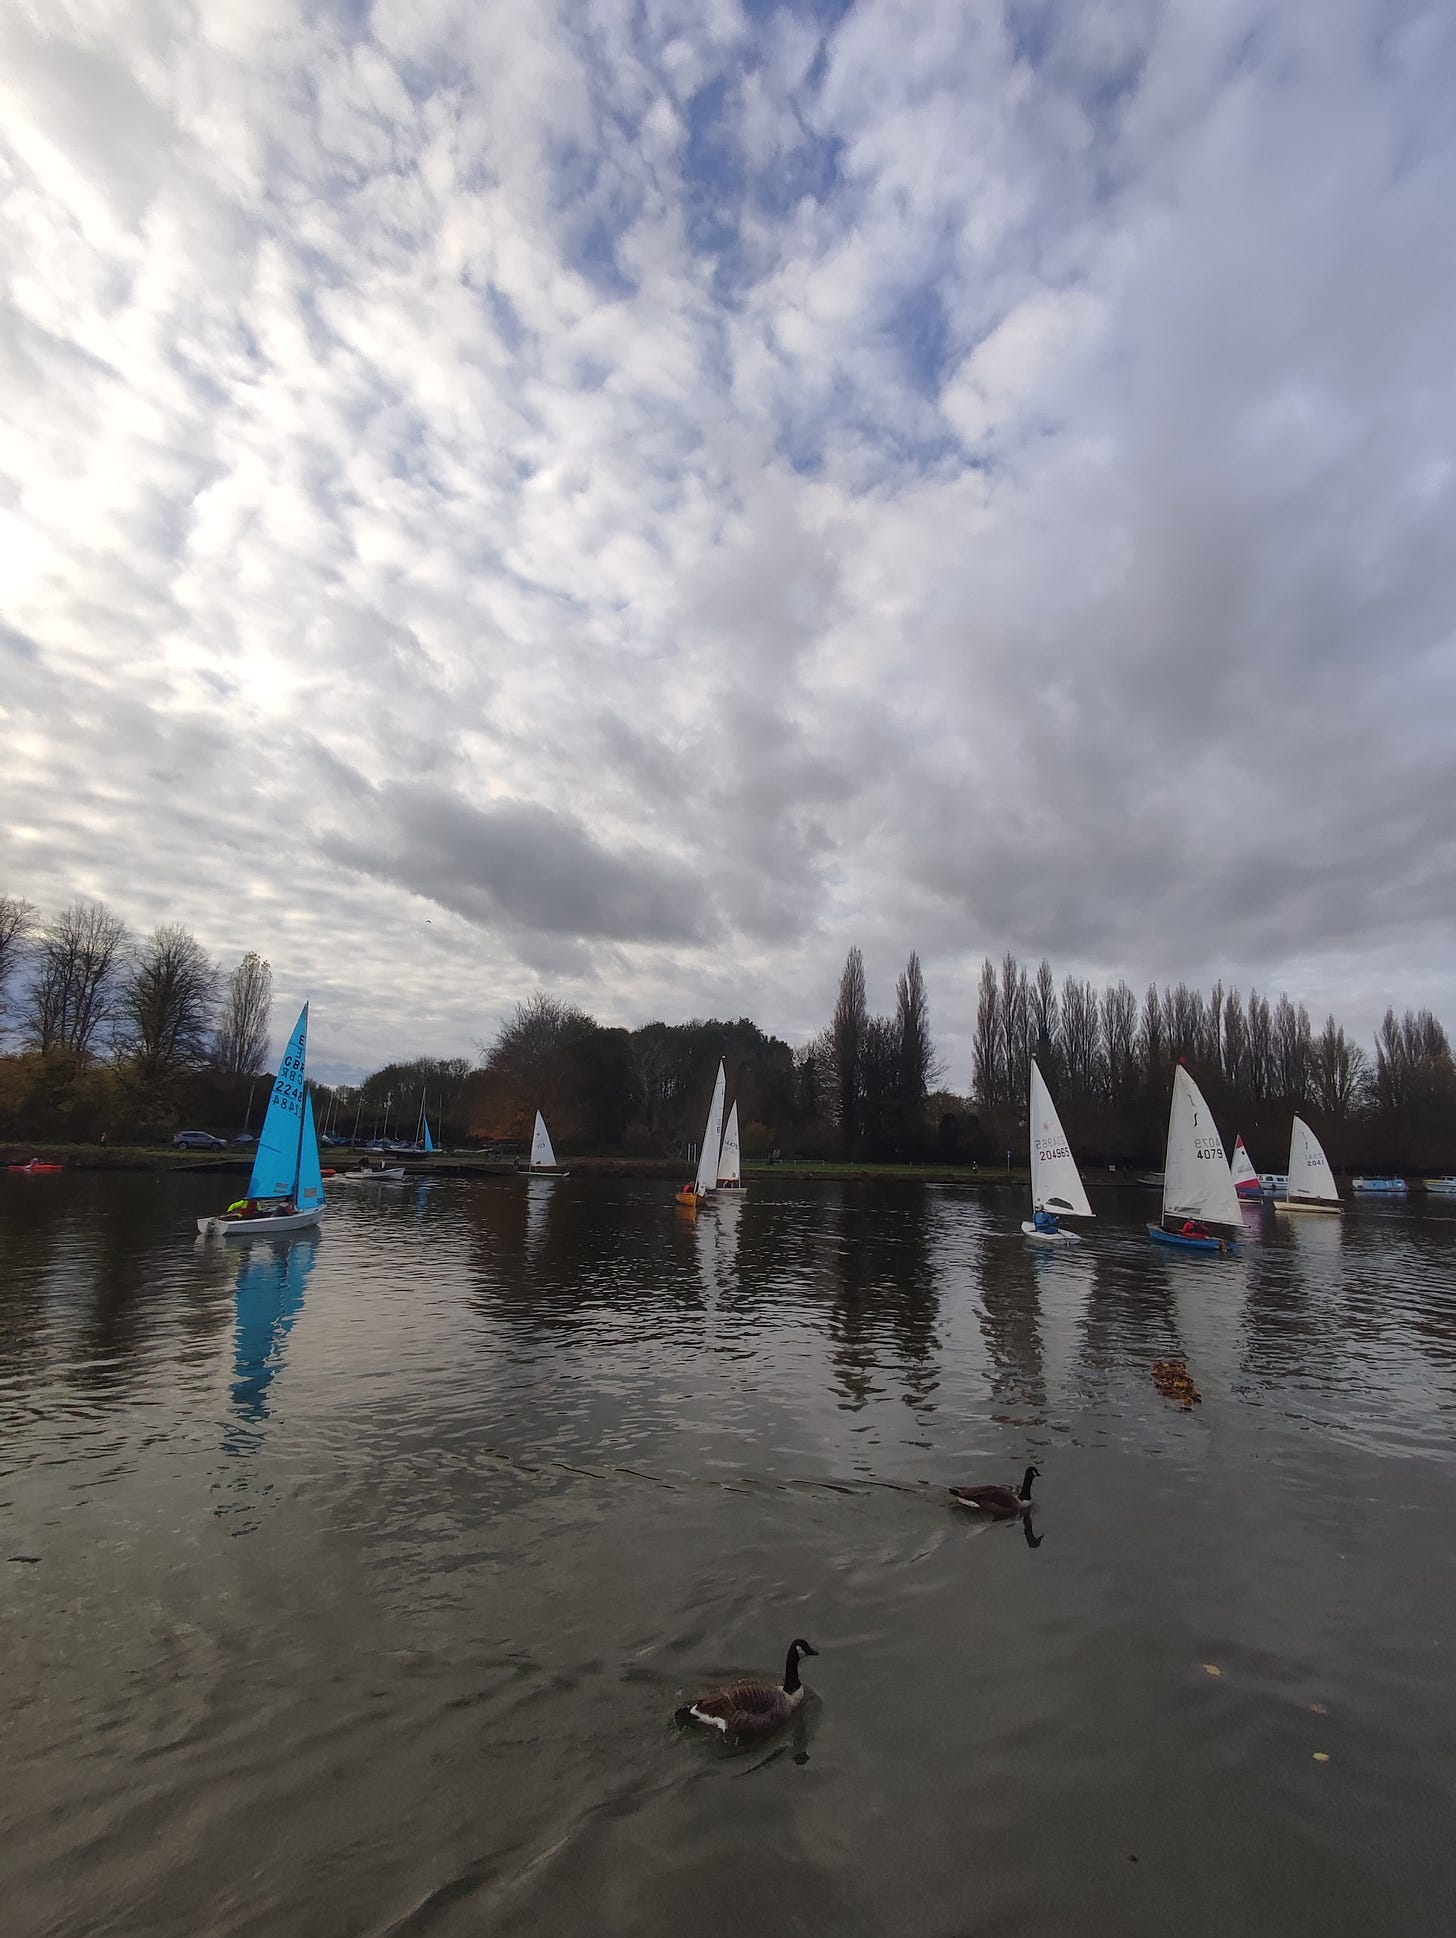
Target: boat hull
x=1178, y=1243
x=1050, y=1239
x=1309, y=1204
x=546, y=1171
x=247, y=1228
x=691, y=1200
x=1381, y=1187
x=34, y=1169
x=1441, y=1187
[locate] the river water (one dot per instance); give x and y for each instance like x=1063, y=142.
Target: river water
x=365, y=1572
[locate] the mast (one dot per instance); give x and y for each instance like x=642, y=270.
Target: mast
x=298, y=1154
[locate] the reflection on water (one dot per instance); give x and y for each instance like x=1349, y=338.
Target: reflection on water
x=527, y=1459
x=272, y=1275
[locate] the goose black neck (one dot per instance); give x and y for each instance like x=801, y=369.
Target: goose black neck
x=1027, y=1478
x=791, y=1671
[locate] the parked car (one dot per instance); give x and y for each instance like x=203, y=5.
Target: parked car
x=199, y=1141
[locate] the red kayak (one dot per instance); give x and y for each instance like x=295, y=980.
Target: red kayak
x=35, y=1165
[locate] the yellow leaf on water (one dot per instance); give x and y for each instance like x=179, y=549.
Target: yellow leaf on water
x=1320, y=1757
x=1318, y=1709
x=1212, y=1669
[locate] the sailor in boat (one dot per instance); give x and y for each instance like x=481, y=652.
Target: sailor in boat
x=1046, y=1221
x=1194, y=1228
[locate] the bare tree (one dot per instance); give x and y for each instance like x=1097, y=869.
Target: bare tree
x=17, y=918
x=919, y=1069
x=240, y=1048
x=536, y=1053
x=1015, y=1028
x=1042, y=1019
x=73, y=993
x=851, y=1020
x=167, y=1004
x=1079, y=1054
x=1340, y=1072
x=986, y=1085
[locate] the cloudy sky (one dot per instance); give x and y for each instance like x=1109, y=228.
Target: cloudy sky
x=634, y=496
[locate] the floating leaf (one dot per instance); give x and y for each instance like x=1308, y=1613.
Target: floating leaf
x=1321, y=1757
x=1212, y=1669
x=1318, y=1709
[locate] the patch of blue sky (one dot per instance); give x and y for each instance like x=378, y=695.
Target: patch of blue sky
x=714, y=174
x=824, y=13
x=1031, y=27
x=920, y=331
x=812, y=168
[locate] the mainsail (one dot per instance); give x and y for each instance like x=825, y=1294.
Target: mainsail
x=1310, y=1175
x=1056, y=1183
x=712, y=1138
x=1245, y=1177
x=275, y=1166
x=730, y=1169
x=543, y=1158
x=1196, y=1178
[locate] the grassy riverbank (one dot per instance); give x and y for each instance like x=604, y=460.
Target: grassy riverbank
x=166, y=1157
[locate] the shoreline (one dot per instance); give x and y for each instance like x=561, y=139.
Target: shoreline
x=133, y=1157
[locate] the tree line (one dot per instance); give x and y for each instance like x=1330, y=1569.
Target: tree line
x=119, y=1033
x=134, y=1036
x=1109, y=1060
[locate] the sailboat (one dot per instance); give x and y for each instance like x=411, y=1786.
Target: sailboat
x=543, y=1158
x=1311, y=1181
x=1057, y=1190
x=286, y=1190
x=698, y=1192
x=1247, y=1181
x=730, y=1162
x=1198, y=1187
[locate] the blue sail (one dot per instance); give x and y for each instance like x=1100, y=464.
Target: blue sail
x=275, y=1168
x=429, y=1141
x=310, y=1192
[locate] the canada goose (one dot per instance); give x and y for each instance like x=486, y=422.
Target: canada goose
x=1001, y=1503
x=752, y=1708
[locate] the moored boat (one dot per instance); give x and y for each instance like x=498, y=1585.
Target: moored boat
x=1441, y=1187
x=1057, y=1190
x=1380, y=1187
x=1198, y=1188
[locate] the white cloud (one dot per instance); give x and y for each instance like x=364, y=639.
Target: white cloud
x=945, y=481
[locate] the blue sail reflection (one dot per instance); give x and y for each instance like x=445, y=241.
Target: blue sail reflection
x=272, y=1277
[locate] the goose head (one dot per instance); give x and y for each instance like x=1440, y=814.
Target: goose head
x=798, y=1649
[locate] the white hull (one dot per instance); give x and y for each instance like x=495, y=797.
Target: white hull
x=1307, y=1204
x=393, y=1174
x=1051, y=1239
x=546, y=1171
x=722, y=1190
x=1441, y=1187
x=258, y=1227
x=1380, y=1187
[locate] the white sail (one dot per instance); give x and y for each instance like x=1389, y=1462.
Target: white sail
x=712, y=1138
x=1196, y=1178
x=1056, y=1183
x=730, y=1166
x=1310, y=1175
x=1242, y=1171
x=542, y=1155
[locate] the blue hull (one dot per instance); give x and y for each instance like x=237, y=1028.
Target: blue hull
x=1182, y=1244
